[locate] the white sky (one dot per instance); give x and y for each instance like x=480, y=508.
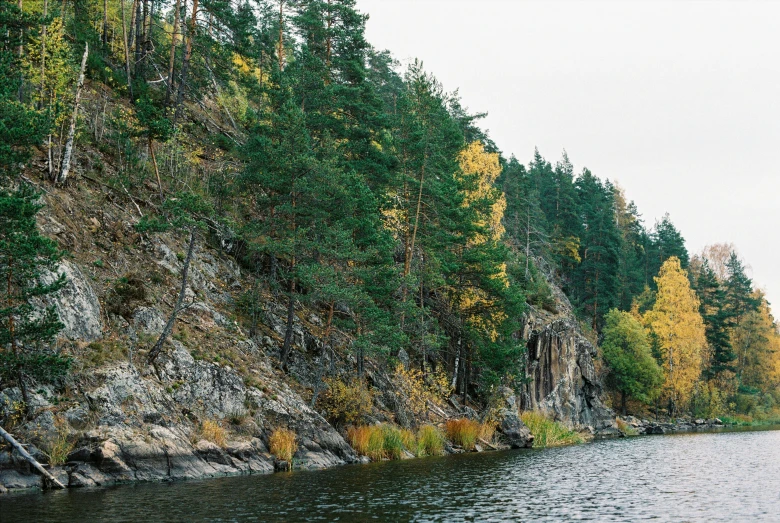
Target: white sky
x=679, y=102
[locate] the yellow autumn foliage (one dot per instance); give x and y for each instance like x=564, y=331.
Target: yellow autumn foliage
x=482, y=169
x=475, y=161
x=679, y=332
x=757, y=343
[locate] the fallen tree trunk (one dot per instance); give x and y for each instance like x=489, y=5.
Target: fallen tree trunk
x=26, y=455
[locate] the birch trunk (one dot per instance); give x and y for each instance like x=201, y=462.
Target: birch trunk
x=68, y=155
x=26, y=455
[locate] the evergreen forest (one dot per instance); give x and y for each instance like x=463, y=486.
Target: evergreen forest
x=352, y=186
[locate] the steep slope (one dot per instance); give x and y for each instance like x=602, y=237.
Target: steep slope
x=117, y=419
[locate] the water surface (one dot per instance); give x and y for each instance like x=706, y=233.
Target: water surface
x=733, y=476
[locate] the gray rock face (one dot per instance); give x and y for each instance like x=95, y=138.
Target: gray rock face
x=148, y=429
x=511, y=426
x=148, y=320
x=563, y=382
x=14, y=480
x=77, y=305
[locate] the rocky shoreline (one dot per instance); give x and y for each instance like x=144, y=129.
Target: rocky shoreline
x=682, y=425
x=110, y=463
x=143, y=427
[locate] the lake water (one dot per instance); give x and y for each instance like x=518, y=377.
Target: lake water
x=729, y=476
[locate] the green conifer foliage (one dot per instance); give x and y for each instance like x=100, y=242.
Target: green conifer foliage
x=26, y=328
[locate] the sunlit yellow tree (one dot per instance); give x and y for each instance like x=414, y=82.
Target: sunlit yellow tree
x=759, y=343
x=678, y=331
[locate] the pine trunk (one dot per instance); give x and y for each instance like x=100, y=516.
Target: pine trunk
x=156, y=170
x=127, y=51
x=186, y=63
x=105, y=23
x=623, y=409
x=138, y=37
x=172, y=57
x=288, y=333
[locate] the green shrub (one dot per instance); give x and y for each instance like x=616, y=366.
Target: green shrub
x=127, y=294
x=99, y=353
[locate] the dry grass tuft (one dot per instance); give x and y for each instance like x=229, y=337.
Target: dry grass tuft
x=283, y=443
x=380, y=442
x=367, y=440
x=57, y=447
x=463, y=432
x=409, y=440
x=625, y=428
x=214, y=432
x=430, y=441
x=486, y=431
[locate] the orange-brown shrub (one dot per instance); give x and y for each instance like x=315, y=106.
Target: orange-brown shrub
x=463, y=432
x=283, y=444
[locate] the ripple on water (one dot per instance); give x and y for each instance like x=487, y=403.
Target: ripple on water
x=699, y=477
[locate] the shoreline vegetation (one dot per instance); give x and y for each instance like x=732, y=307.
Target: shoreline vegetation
x=388, y=442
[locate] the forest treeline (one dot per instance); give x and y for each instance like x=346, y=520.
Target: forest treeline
x=347, y=184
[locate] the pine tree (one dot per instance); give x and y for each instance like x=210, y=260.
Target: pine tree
x=25, y=328
x=717, y=317
x=21, y=126
x=594, y=282
x=631, y=280
x=487, y=303
x=741, y=304
x=665, y=241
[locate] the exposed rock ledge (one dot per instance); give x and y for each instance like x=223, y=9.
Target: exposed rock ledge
x=148, y=426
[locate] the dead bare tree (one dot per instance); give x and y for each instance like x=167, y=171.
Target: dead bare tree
x=179, y=306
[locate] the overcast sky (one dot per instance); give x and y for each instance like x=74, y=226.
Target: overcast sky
x=676, y=101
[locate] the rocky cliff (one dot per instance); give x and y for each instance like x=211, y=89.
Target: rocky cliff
x=561, y=371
